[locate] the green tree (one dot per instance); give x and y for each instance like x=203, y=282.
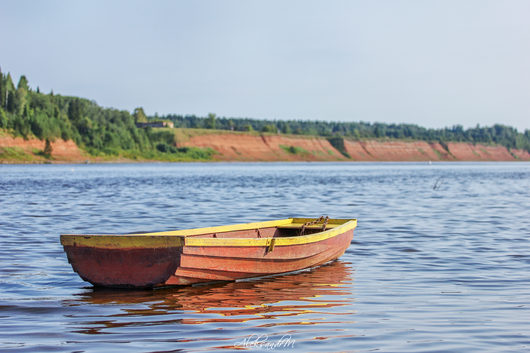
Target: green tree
x=269, y=128
x=2, y=90
x=284, y=127
x=139, y=115
x=21, y=126
x=21, y=95
x=23, y=83
x=210, y=121
x=76, y=110
x=10, y=94
x=3, y=119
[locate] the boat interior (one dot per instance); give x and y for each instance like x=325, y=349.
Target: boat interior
x=285, y=230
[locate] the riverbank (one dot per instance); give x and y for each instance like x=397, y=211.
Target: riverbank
x=236, y=146
x=252, y=146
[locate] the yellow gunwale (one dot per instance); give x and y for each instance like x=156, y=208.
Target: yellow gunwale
x=121, y=241
x=185, y=237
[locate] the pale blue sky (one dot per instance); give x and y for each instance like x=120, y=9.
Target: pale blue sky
x=432, y=63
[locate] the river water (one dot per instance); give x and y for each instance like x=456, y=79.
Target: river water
x=440, y=260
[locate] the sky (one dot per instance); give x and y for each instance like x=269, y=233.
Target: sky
x=431, y=63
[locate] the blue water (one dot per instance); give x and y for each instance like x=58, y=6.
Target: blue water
x=440, y=260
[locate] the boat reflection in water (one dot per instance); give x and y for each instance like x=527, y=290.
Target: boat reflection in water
x=319, y=296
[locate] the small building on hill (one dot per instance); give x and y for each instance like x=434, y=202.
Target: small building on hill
x=156, y=124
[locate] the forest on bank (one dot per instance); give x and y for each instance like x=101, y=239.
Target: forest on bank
x=105, y=131
x=99, y=131
x=498, y=134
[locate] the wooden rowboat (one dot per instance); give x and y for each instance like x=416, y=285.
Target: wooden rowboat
x=224, y=253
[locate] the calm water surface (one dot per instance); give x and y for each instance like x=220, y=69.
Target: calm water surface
x=440, y=260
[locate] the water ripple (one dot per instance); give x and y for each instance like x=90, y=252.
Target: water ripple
x=442, y=268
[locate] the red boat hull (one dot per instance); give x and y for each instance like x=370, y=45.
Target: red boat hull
x=218, y=254
x=124, y=268
x=207, y=264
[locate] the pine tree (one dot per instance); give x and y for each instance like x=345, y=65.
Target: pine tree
x=23, y=83
x=2, y=91
x=21, y=96
x=10, y=93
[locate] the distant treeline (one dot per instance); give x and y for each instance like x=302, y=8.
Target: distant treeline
x=498, y=134
x=105, y=131
x=100, y=131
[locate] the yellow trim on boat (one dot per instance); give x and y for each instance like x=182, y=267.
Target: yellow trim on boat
x=222, y=229
x=121, y=241
x=185, y=237
x=297, y=240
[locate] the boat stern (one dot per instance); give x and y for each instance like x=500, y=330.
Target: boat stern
x=123, y=261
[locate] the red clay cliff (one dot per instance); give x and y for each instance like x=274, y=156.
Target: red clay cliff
x=235, y=146
x=247, y=147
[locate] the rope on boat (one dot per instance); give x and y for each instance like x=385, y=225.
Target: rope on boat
x=322, y=219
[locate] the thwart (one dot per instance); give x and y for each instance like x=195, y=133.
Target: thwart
x=201, y=255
